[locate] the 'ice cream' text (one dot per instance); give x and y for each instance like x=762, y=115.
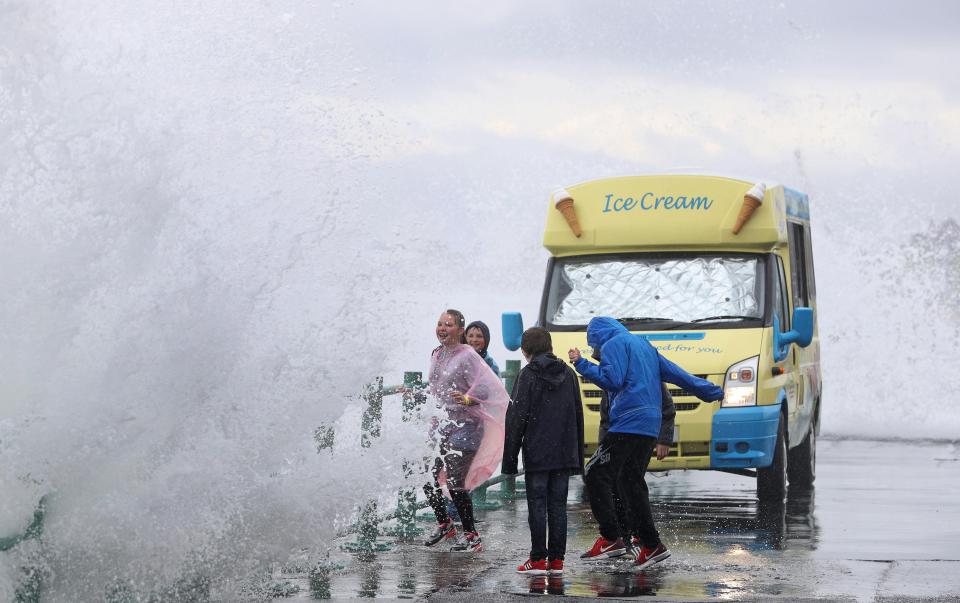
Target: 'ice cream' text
x=648, y=201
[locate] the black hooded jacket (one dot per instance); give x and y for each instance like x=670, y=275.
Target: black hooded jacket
x=545, y=418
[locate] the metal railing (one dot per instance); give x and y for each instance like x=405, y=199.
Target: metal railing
x=367, y=526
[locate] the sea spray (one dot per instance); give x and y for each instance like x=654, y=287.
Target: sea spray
x=186, y=299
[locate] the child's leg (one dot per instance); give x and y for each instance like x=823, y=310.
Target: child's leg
x=642, y=513
x=452, y=511
x=435, y=496
x=600, y=475
x=464, y=504
x=458, y=463
x=631, y=493
x=559, y=481
x=623, y=515
x=537, y=495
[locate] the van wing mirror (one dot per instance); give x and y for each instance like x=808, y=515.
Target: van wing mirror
x=801, y=334
x=512, y=330
x=802, y=326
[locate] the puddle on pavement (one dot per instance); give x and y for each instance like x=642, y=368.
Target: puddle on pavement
x=695, y=524
x=831, y=543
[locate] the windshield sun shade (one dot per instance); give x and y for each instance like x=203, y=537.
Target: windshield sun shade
x=680, y=289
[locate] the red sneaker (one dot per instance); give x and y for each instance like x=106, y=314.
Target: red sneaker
x=533, y=568
x=605, y=548
x=648, y=556
x=555, y=567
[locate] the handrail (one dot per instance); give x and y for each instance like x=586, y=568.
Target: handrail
x=493, y=481
x=413, y=396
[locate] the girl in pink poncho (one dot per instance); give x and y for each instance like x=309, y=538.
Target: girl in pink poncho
x=470, y=436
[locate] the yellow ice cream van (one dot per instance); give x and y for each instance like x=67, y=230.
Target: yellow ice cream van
x=717, y=274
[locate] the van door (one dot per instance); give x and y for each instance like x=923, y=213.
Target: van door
x=806, y=359
x=783, y=308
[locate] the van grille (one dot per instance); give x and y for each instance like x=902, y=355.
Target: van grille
x=673, y=392
x=695, y=448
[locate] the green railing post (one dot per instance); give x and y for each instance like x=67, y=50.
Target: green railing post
x=367, y=532
x=413, y=395
x=320, y=580
x=373, y=415
x=510, y=375
x=479, y=498
x=508, y=487
x=406, y=529
x=367, y=529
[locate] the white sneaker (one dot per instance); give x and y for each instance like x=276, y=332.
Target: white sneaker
x=468, y=542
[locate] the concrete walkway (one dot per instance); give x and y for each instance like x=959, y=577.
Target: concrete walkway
x=882, y=524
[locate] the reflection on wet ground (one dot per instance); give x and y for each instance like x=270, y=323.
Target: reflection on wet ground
x=881, y=523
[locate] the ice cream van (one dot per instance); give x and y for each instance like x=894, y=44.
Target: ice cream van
x=717, y=273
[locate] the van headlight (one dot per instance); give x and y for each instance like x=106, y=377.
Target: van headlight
x=740, y=383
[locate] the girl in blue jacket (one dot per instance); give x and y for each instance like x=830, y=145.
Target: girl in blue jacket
x=631, y=370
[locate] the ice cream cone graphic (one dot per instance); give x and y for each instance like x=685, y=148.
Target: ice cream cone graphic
x=751, y=201
x=564, y=202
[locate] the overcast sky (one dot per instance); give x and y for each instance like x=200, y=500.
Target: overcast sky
x=851, y=86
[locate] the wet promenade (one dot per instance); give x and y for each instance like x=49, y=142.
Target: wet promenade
x=883, y=523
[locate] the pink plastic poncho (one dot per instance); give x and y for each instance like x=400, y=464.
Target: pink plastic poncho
x=461, y=369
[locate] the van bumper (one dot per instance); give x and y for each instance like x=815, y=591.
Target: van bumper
x=744, y=437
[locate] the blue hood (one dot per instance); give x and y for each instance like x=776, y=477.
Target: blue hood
x=602, y=329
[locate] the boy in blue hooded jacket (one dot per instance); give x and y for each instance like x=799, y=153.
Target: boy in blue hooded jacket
x=631, y=370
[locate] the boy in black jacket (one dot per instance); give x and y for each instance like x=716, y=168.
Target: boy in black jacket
x=545, y=420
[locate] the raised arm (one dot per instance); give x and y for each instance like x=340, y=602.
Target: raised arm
x=701, y=388
x=580, y=441
x=607, y=375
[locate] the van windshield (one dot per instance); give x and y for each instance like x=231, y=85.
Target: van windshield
x=656, y=291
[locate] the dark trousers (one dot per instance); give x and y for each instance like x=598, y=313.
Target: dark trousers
x=456, y=462
x=615, y=473
x=547, y=513
x=636, y=515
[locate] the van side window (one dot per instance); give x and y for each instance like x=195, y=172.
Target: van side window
x=798, y=264
x=808, y=262
x=780, y=296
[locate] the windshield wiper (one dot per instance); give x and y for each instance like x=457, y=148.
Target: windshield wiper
x=644, y=319
x=725, y=317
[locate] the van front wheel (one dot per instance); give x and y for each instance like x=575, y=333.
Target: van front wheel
x=772, y=480
x=803, y=461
